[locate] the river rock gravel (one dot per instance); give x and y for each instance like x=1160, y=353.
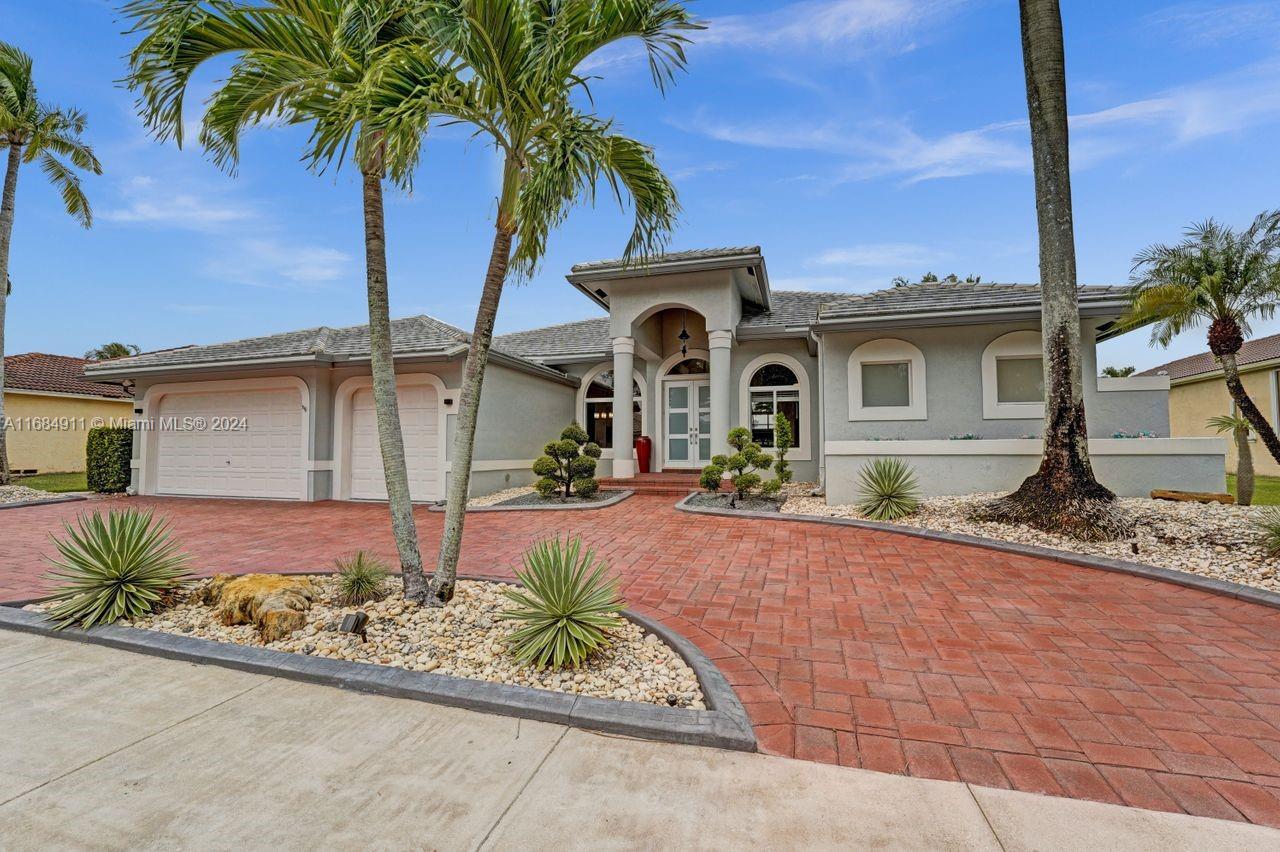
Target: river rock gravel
x=465, y=639
x=1208, y=539
x=22, y=494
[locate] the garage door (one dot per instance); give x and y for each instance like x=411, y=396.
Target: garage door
x=231, y=444
x=420, y=423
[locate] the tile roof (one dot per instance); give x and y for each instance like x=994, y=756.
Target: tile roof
x=670, y=257
x=789, y=308
x=1252, y=352
x=36, y=371
x=584, y=337
x=941, y=297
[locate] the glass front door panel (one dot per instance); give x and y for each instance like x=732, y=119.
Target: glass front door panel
x=704, y=423
x=688, y=422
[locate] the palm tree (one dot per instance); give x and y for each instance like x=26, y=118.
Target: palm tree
x=35, y=133
x=523, y=61
x=1063, y=496
x=107, y=351
x=1219, y=277
x=298, y=61
x=1239, y=429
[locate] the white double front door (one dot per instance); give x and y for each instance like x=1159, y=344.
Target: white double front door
x=687, y=417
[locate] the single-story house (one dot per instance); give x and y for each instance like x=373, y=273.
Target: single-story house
x=704, y=344
x=49, y=408
x=1197, y=392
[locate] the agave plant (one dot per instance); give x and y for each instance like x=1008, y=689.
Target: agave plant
x=113, y=568
x=888, y=489
x=567, y=605
x=360, y=579
x=1267, y=526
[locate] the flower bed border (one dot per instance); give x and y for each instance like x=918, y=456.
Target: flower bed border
x=1239, y=591
x=550, y=507
x=46, y=501
x=724, y=724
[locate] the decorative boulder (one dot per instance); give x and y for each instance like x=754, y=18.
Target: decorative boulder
x=274, y=603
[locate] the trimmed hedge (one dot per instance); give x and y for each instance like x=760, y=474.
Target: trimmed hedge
x=108, y=452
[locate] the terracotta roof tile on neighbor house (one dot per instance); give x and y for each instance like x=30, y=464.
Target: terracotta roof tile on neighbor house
x=1253, y=352
x=36, y=371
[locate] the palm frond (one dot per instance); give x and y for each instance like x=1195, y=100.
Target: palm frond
x=67, y=183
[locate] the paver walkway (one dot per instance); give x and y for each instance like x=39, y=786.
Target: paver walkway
x=869, y=649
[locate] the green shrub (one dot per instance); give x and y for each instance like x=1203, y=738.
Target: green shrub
x=568, y=466
x=888, y=489
x=1267, y=527
x=712, y=477
x=360, y=579
x=743, y=466
x=783, y=441
x=566, y=606
x=120, y=567
x=108, y=453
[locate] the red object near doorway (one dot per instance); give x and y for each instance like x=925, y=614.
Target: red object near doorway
x=644, y=452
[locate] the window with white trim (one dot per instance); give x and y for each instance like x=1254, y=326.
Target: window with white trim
x=887, y=381
x=597, y=417
x=775, y=389
x=1013, y=377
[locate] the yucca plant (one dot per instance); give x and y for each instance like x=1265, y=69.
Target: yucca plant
x=1267, y=526
x=567, y=605
x=888, y=489
x=360, y=579
x=113, y=568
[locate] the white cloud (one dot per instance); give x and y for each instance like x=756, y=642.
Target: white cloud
x=273, y=263
x=148, y=202
x=880, y=256
x=1212, y=24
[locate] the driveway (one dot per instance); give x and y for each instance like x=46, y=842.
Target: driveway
x=868, y=649
x=198, y=757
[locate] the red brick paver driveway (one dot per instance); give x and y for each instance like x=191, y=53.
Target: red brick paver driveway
x=870, y=649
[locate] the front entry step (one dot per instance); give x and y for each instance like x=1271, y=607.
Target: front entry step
x=671, y=483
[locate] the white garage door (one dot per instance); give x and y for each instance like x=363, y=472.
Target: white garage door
x=231, y=444
x=420, y=423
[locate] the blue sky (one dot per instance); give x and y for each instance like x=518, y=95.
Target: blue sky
x=854, y=140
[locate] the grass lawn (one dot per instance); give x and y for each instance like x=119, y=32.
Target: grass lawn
x=1266, y=489
x=55, y=482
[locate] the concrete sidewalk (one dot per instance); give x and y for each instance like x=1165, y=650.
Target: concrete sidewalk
x=103, y=749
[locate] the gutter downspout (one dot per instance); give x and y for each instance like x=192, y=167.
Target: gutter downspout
x=822, y=417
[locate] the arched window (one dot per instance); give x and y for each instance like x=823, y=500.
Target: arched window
x=887, y=381
x=690, y=367
x=775, y=389
x=597, y=415
x=1013, y=377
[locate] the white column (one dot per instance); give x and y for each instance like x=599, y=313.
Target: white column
x=624, y=354
x=720, y=343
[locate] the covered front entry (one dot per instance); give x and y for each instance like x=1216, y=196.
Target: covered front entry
x=687, y=421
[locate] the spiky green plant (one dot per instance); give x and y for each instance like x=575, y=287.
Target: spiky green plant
x=113, y=568
x=360, y=578
x=567, y=605
x=888, y=489
x=1267, y=526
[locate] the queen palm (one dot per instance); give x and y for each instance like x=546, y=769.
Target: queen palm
x=523, y=61
x=1218, y=277
x=298, y=61
x=35, y=132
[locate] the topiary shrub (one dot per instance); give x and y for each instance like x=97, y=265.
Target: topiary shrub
x=568, y=467
x=108, y=453
x=743, y=466
x=782, y=441
x=888, y=489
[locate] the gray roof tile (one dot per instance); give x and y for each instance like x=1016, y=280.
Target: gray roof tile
x=584, y=337
x=945, y=296
x=789, y=308
x=670, y=257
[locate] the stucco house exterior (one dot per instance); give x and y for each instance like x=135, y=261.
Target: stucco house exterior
x=1198, y=392
x=50, y=407
x=706, y=345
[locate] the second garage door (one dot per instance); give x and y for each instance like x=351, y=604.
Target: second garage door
x=420, y=423
x=231, y=443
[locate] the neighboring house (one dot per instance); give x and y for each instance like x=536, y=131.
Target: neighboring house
x=1198, y=392
x=705, y=346
x=50, y=407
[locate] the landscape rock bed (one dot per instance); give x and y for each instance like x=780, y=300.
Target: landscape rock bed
x=464, y=639
x=10, y=494
x=723, y=501
x=533, y=498
x=1209, y=540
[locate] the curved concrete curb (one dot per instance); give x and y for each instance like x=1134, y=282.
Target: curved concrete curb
x=723, y=724
x=1238, y=591
x=564, y=507
x=70, y=498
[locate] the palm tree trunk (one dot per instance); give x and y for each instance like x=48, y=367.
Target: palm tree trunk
x=6, y=234
x=1244, y=468
x=386, y=405
x=1249, y=411
x=440, y=590
x=1058, y=495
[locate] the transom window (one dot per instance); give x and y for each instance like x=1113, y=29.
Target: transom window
x=598, y=417
x=774, y=390
x=690, y=367
x=1019, y=380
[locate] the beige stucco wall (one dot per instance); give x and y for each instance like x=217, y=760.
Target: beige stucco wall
x=47, y=433
x=1191, y=404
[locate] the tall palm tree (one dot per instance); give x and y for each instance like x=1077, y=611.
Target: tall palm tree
x=111, y=350
x=1218, y=277
x=1063, y=495
x=299, y=61
x=524, y=61
x=35, y=133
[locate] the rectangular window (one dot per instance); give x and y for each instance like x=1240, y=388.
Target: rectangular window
x=599, y=425
x=886, y=385
x=1020, y=379
x=765, y=405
